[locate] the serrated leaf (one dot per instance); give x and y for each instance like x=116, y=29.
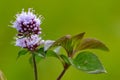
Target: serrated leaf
x=65, y=59
x=91, y=43
x=22, y=52
x=88, y=62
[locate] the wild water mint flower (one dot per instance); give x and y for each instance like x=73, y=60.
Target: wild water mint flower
x=27, y=23
x=31, y=42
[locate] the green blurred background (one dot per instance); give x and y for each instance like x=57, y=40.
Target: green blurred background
x=98, y=18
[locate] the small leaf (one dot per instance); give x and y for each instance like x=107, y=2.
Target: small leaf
x=65, y=42
x=78, y=37
x=51, y=53
x=61, y=41
x=88, y=62
x=57, y=49
x=38, y=58
x=76, y=40
x=22, y=52
x=65, y=59
x=90, y=43
x=39, y=55
x=40, y=52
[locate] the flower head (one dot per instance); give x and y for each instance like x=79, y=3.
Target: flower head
x=31, y=42
x=27, y=23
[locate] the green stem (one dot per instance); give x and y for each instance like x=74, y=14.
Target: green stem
x=35, y=67
x=63, y=72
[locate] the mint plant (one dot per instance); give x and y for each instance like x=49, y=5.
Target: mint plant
x=28, y=26
x=77, y=54
x=84, y=60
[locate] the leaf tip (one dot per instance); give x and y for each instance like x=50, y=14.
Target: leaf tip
x=68, y=36
x=97, y=72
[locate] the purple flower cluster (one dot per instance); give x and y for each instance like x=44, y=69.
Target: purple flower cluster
x=28, y=26
x=27, y=23
x=30, y=43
